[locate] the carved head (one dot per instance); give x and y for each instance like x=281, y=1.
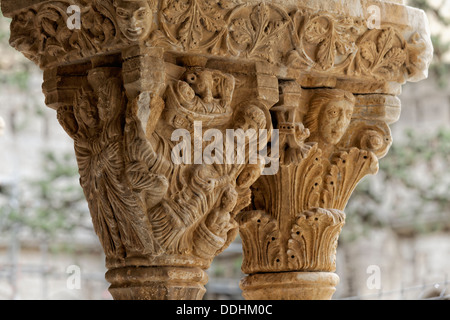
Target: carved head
x=251, y=118
x=329, y=115
x=66, y=118
x=85, y=109
x=135, y=18
x=229, y=198
x=201, y=81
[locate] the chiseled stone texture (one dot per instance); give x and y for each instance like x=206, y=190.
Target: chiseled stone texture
x=316, y=76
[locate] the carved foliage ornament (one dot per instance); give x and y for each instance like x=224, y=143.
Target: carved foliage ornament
x=298, y=38
x=42, y=34
x=345, y=45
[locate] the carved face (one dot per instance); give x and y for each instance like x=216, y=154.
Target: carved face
x=201, y=82
x=229, y=198
x=67, y=119
x=88, y=114
x=185, y=91
x=334, y=119
x=135, y=18
x=252, y=118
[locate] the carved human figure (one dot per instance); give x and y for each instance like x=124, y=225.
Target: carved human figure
x=135, y=18
x=212, y=235
x=200, y=94
x=145, y=169
x=296, y=149
x=219, y=220
x=250, y=118
x=206, y=91
x=105, y=152
x=329, y=115
x=86, y=113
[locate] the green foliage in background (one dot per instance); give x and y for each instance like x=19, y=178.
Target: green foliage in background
x=417, y=167
x=51, y=205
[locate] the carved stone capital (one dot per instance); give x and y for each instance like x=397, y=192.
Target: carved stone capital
x=195, y=120
x=158, y=197
x=328, y=143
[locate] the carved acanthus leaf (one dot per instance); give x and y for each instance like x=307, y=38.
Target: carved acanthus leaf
x=345, y=172
x=262, y=243
x=194, y=24
x=260, y=33
x=385, y=58
x=332, y=38
x=313, y=242
x=324, y=41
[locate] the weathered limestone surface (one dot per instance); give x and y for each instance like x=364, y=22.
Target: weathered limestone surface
x=149, y=91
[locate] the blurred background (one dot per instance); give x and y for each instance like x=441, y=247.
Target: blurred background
x=395, y=244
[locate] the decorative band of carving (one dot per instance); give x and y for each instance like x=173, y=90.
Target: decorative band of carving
x=296, y=37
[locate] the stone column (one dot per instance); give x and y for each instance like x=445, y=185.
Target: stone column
x=156, y=93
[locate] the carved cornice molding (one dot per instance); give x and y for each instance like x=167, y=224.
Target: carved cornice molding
x=327, y=40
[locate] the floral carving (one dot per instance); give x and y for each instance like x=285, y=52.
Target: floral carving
x=324, y=41
x=332, y=38
x=224, y=27
x=384, y=56
x=259, y=34
x=197, y=24
x=313, y=241
x=332, y=44
x=345, y=46
x=42, y=33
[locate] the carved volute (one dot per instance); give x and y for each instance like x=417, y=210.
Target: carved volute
x=194, y=121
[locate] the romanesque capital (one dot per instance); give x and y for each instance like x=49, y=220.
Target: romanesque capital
x=194, y=121
x=328, y=143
